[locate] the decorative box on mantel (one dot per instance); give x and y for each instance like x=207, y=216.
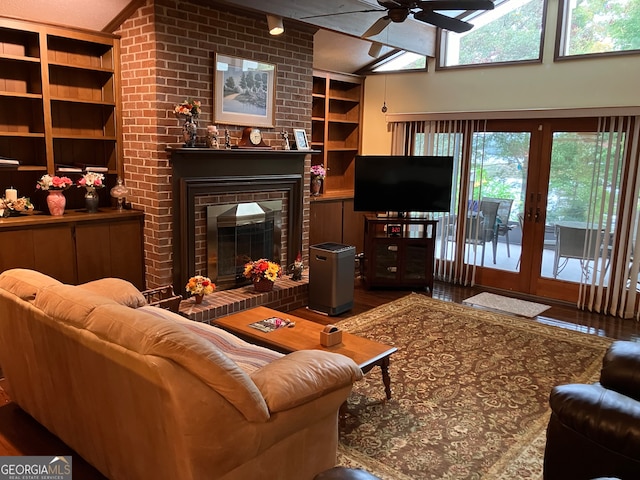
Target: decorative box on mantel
x=205, y=176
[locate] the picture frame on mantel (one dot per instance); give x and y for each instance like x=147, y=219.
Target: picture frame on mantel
x=243, y=92
x=300, y=136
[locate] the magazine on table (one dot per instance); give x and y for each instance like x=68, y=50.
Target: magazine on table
x=272, y=323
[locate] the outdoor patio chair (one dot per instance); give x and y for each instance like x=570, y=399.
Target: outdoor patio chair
x=483, y=228
x=575, y=240
x=504, y=211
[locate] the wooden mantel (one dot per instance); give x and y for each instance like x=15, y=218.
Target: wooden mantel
x=203, y=171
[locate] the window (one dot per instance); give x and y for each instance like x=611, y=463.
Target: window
x=599, y=26
x=400, y=62
x=511, y=32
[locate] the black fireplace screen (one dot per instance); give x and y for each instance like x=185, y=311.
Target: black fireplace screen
x=239, y=233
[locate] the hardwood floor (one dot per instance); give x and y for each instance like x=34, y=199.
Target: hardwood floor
x=21, y=435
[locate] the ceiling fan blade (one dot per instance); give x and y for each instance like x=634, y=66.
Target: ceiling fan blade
x=456, y=5
x=443, y=21
x=377, y=27
x=341, y=13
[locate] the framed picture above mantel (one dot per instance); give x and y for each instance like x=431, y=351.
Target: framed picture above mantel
x=243, y=92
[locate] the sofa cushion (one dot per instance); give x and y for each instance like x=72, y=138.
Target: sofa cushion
x=247, y=356
x=25, y=284
x=69, y=303
x=146, y=334
x=116, y=289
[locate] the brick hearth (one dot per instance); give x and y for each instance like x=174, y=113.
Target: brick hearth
x=286, y=295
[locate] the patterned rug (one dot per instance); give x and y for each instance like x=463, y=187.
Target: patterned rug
x=470, y=391
x=507, y=304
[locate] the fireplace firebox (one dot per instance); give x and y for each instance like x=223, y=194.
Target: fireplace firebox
x=239, y=233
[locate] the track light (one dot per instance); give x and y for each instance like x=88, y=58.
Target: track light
x=275, y=25
x=375, y=49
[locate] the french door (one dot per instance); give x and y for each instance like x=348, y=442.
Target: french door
x=543, y=168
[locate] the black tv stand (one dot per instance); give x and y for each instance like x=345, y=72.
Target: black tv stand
x=399, y=252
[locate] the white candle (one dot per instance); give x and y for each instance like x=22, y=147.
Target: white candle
x=11, y=194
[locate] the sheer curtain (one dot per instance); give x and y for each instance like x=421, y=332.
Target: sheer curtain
x=613, y=209
x=464, y=141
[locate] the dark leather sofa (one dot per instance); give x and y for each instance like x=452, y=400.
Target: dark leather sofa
x=594, y=430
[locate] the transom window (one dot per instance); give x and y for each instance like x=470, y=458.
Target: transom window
x=511, y=32
x=599, y=26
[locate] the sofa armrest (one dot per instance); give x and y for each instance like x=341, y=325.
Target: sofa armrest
x=303, y=376
x=621, y=369
x=605, y=417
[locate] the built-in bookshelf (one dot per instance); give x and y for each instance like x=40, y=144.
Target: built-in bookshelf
x=335, y=131
x=59, y=93
x=335, y=135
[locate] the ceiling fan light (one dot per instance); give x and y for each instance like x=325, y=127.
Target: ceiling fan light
x=375, y=49
x=398, y=15
x=275, y=25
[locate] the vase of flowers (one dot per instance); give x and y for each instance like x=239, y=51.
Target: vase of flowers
x=92, y=181
x=317, y=176
x=199, y=286
x=263, y=273
x=189, y=111
x=55, y=185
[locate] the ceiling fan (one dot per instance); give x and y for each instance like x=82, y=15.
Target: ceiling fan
x=398, y=11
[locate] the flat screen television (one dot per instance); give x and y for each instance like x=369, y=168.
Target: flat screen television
x=393, y=183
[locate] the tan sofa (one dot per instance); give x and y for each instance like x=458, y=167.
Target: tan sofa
x=142, y=393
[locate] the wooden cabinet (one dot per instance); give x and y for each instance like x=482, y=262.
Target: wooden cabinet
x=399, y=252
x=77, y=247
x=333, y=220
x=59, y=98
x=335, y=131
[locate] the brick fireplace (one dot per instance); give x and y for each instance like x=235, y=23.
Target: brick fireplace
x=167, y=51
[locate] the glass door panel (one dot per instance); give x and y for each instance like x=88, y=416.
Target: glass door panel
x=498, y=176
x=568, y=198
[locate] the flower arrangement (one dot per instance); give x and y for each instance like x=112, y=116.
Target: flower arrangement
x=188, y=108
x=48, y=182
x=91, y=180
x=262, y=268
x=14, y=207
x=200, y=285
x=318, y=171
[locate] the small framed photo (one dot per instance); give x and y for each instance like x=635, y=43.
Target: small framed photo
x=300, y=136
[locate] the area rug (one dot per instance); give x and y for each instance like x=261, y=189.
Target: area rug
x=507, y=304
x=470, y=391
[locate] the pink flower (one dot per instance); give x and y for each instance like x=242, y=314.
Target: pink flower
x=61, y=182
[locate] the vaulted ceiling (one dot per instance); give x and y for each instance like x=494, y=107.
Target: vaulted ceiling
x=338, y=43
x=334, y=15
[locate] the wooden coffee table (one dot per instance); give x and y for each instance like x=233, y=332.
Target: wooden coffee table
x=306, y=336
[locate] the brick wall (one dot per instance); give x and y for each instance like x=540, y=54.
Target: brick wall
x=167, y=52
